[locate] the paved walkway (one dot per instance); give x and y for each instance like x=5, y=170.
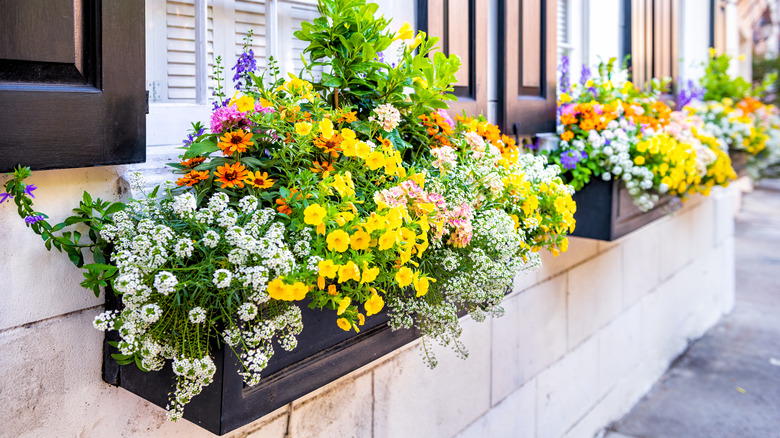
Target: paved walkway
x=727, y=385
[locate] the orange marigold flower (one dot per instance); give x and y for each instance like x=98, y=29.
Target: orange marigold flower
x=261, y=181
x=193, y=177
x=236, y=141
x=348, y=117
x=323, y=168
x=567, y=135
x=231, y=175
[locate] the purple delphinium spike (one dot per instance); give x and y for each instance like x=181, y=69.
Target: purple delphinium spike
x=29, y=220
x=584, y=74
x=564, y=69
x=5, y=196
x=29, y=189
x=246, y=63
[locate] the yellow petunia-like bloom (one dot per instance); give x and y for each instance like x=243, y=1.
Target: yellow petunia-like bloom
x=338, y=241
x=369, y=274
x=328, y=268
x=343, y=304
x=362, y=150
x=387, y=240
x=344, y=324
x=303, y=128
x=375, y=160
x=278, y=290
x=326, y=128
x=245, y=103
x=349, y=271
x=314, y=214
x=421, y=286
x=359, y=240
x=404, y=277
x=404, y=33
x=374, y=304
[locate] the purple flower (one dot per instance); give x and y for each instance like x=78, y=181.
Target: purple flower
x=29, y=189
x=570, y=158
x=535, y=145
x=246, y=63
x=584, y=74
x=5, y=196
x=191, y=137
x=564, y=69
x=688, y=93
x=607, y=142
x=216, y=104
x=380, y=57
x=29, y=220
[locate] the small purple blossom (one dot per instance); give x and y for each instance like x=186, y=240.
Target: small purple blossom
x=535, y=145
x=380, y=56
x=5, y=196
x=570, y=158
x=191, y=137
x=584, y=74
x=216, y=104
x=564, y=70
x=29, y=220
x=29, y=189
x=245, y=64
x=607, y=142
x=688, y=93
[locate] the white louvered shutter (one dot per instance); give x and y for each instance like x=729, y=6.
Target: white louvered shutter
x=180, y=39
x=251, y=14
x=291, y=15
x=564, y=43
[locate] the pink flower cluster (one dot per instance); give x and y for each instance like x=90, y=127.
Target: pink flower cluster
x=445, y=158
x=476, y=143
x=387, y=116
x=228, y=118
x=460, y=220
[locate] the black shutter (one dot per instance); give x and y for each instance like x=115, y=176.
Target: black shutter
x=72, y=83
x=462, y=27
x=527, y=66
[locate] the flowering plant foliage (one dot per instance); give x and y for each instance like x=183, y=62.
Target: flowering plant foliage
x=355, y=193
x=612, y=129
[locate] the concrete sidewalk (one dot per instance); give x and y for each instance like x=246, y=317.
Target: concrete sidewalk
x=728, y=382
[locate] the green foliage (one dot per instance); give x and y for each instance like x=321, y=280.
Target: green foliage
x=89, y=218
x=718, y=83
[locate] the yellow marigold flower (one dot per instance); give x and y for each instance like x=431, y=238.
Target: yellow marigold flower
x=349, y=271
x=360, y=240
x=404, y=277
x=404, y=33
x=387, y=240
x=639, y=160
x=344, y=324
x=374, y=304
x=327, y=268
x=375, y=160
x=343, y=304
x=421, y=286
x=314, y=214
x=303, y=128
x=369, y=274
x=326, y=127
x=338, y=241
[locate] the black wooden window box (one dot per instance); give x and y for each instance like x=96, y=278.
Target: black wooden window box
x=605, y=211
x=324, y=353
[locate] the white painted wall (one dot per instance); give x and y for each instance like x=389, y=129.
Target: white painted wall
x=694, y=38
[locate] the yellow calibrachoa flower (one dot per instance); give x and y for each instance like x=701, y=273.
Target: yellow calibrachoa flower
x=338, y=241
x=387, y=240
x=343, y=304
x=349, y=271
x=359, y=240
x=421, y=285
x=361, y=319
x=303, y=128
x=327, y=268
x=374, y=304
x=344, y=217
x=404, y=33
x=375, y=160
x=362, y=150
x=314, y=214
x=278, y=290
x=404, y=277
x=369, y=274
x=245, y=103
x=326, y=128
x=639, y=160
x=374, y=222
x=344, y=324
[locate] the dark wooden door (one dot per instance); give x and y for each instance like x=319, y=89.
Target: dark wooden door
x=462, y=27
x=527, y=66
x=653, y=38
x=72, y=83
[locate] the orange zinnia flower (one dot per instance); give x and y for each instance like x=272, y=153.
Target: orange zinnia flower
x=323, y=167
x=567, y=135
x=282, y=203
x=255, y=179
x=236, y=141
x=192, y=162
x=348, y=117
x=231, y=175
x=193, y=177
x=329, y=146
